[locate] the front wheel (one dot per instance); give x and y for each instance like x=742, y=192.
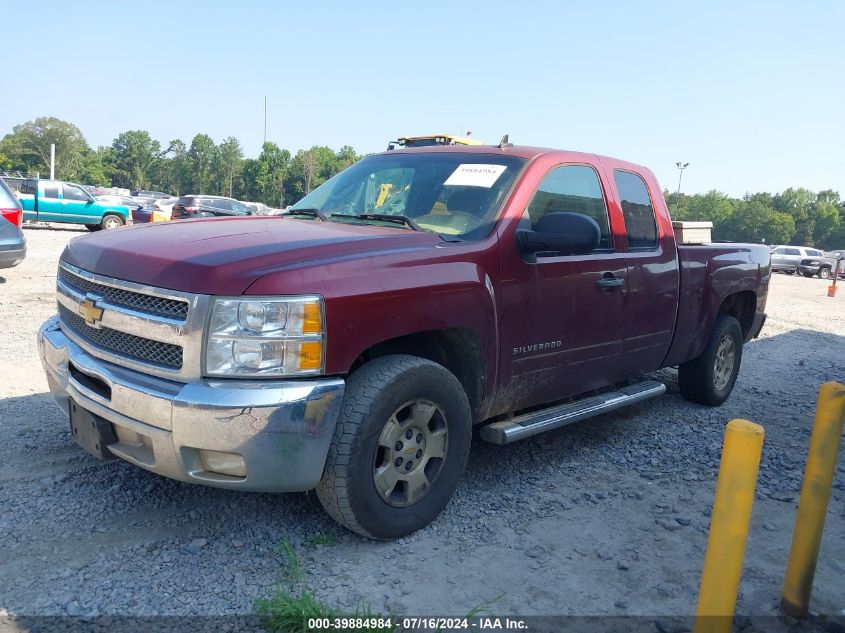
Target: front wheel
x=824, y=273
x=709, y=379
x=112, y=222
x=400, y=447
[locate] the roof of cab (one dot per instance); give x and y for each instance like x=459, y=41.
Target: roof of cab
x=527, y=152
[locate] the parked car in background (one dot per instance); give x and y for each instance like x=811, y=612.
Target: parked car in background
x=12, y=240
x=823, y=265
x=788, y=258
x=837, y=256
x=259, y=208
x=158, y=211
x=194, y=206
x=154, y=195
x=124, y=201
x=57, y=201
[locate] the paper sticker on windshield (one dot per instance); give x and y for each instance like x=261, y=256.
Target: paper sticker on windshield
x=473, y=175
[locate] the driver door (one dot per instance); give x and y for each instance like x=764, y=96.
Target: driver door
x=561, y=321
x=77, y=205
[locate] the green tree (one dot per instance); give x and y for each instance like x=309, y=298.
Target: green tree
x=134, y=159
x=201, y=159
x=270, y=173
x=826, y=222
x=312, y=167
x=346, y=156
x=173, y=170
x=230, y=157
x=28, y=147
x=755, y=222
x=96, y=167
x=798, y=204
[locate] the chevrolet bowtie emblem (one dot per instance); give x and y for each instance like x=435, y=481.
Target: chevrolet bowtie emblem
x=89, y=311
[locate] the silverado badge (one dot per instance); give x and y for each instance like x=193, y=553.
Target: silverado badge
x=89, y=311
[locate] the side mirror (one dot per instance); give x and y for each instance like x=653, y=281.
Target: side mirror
x=562, y=233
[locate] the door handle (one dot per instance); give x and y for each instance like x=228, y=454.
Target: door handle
x=610, y=282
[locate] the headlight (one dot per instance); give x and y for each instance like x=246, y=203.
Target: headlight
x=813, y=263
x=265, y=337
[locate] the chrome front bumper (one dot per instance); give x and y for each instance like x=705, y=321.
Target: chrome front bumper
x=247, y=435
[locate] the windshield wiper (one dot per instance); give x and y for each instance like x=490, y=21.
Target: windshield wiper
x=382, y=217
x=313, y=212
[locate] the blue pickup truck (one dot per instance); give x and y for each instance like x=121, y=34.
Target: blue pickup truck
x=57, y=201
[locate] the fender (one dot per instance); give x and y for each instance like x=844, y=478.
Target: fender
x=375, y=299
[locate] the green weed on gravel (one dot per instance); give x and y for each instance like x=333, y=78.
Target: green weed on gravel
x=289, y=610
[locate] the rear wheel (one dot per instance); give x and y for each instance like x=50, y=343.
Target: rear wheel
x=789, y=272
x=709, y=379
x=825, y=273
x=112, y=222
x=399, y=449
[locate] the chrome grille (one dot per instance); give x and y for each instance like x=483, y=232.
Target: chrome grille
x=149, y=304
x=135, y=347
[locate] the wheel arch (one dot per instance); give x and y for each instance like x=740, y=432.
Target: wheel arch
x=742, y=306
x=458, y=349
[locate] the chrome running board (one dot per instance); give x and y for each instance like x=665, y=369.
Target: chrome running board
x=529, y=424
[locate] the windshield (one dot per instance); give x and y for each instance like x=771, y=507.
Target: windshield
x=451, y=194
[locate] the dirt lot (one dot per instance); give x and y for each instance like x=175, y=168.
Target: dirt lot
x=605, y=517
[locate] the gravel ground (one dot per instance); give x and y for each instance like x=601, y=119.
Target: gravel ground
x=609, y=516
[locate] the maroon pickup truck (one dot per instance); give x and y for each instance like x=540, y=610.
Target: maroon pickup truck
x=351, y=345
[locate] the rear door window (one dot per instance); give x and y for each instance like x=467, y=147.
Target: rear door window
x=793, y=251
x=637, y=209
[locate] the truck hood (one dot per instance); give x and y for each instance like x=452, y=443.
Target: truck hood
x=223, y=256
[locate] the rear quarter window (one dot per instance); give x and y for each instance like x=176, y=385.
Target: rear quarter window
x=637, y=209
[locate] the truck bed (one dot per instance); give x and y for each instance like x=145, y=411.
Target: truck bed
x=708, y=274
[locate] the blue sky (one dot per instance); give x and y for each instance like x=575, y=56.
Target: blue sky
x=751, y=94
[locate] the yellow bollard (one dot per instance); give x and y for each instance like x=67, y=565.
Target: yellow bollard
x=815, y=495
x=729, y=526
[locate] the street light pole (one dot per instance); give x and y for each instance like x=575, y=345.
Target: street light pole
x=681, y=168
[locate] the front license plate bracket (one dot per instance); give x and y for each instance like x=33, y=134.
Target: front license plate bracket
x=92, y=432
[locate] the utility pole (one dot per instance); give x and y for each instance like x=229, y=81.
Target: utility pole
x=265, y=119
x=681, y=167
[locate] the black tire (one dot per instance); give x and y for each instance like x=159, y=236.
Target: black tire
x=112, y=221
x=373, y=394
x=697, y=378
x=93, y=227
x=824, y=273
x=808, y=275
x=789, y=272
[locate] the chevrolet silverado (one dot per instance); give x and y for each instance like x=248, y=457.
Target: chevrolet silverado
x=351, y=347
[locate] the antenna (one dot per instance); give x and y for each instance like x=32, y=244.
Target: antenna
x=504, y=143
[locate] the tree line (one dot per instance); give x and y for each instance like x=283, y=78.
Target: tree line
x=794, y=216
x=135, y=160
x=277, y=178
